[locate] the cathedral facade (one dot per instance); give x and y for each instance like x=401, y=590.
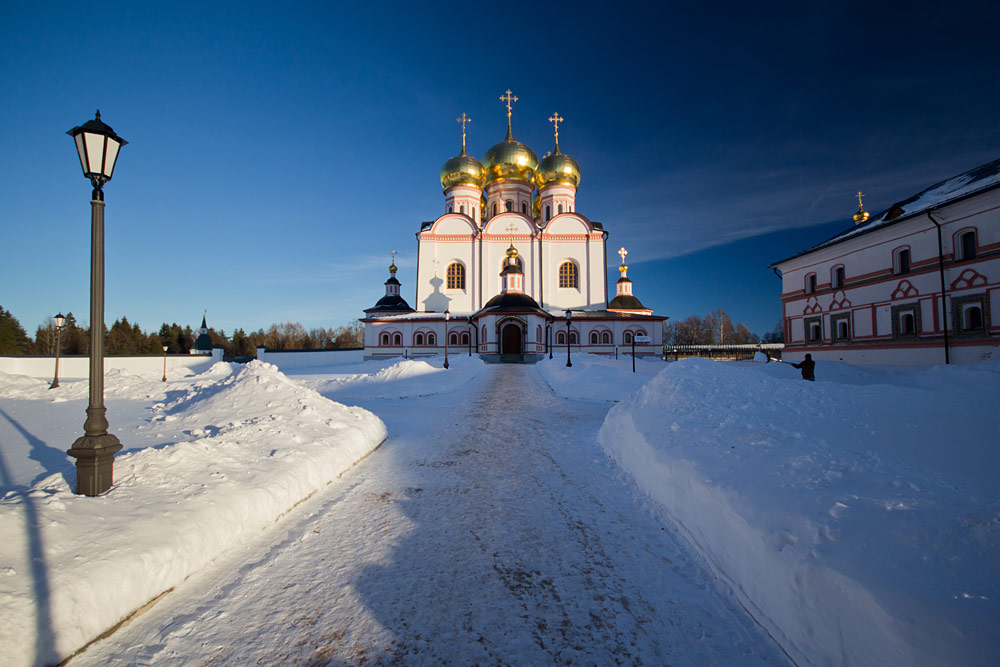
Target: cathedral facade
x=511, y=268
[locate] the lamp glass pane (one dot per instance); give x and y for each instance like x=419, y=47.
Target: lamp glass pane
x=81, y=151
x=95, y=152
x=109, y=161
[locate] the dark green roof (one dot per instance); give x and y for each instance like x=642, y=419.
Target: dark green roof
x=626, y=302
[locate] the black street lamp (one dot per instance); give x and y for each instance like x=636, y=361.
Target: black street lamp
x=59, y=322
x=548, y=338
x=164, y=363
x=98, y=147
x=569, y=316
x=447, y=317
x=470, y=339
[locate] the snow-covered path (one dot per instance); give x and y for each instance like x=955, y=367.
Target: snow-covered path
x=495, y=532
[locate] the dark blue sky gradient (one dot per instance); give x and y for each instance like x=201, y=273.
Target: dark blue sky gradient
x=278, y=152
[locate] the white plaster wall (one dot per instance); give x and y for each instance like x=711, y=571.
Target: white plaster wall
x=307, y=359
x=78, y=367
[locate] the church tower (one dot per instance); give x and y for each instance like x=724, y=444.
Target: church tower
x=625, y=301
x=392, y=302
x=202, y=344
x=462, y=180
x=510, y=171
x=557, y=178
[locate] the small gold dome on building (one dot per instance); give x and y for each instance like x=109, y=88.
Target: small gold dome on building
x=862, y=214
x=512, y=251
x=463, y=169
x=510, y=160
x=557, y=168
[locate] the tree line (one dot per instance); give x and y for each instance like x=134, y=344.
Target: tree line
x=716, y=328
x=128, y=338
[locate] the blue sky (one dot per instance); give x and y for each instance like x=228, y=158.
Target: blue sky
x=278, y=152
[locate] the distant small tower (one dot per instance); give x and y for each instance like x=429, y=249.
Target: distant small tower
x=392, y=302
x=203, y=344
x=862, y=214
x=511, y=276
x=624, y=301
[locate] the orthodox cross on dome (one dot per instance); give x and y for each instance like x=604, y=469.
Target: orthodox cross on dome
x=862, y=214
x=622, y=251
x=508, y=98
x=392, y=266
x=463, y=119
x=555, y=119
x=861, y=203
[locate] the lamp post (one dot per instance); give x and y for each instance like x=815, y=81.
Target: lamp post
x=164, y=363
x=447, y=317
x=59, y=322
x=569, y=316
x=98, y=147
x=470, y=339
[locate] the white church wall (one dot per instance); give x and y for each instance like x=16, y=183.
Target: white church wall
x=78, y=367
x=288, y=359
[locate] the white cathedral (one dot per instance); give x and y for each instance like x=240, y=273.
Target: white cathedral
x=511, y=270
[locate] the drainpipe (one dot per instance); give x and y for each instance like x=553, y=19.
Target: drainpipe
x=944, y=303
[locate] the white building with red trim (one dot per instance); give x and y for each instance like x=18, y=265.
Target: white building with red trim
x=508, y=264
x=915, y=284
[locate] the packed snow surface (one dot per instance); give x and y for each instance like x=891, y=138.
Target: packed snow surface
x=389, y=378
x=489, y=529
x=221, y=457
x=857, y=517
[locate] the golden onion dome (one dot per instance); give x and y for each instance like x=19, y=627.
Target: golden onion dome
x=509, y=160
x=512, y=251
x=557, y=168
x=463, y=169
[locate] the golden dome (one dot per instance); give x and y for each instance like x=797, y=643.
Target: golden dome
x=557, y=168
x=512, y=251
x=509, y=160
x=463, y=169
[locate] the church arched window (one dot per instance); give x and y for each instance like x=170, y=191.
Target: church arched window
x=628, y=338
x=461, y=209
x=465, y=338
x=494, y=208
x=593, y=338
x=456, y=276
x=509, y=205
x=431, y=339
x=418, y=339
x=548, y=212
x=560, y=208
x=539, y=334
x=397, y=339
x=561, y=338
x=568, y=275
x=573, y=338
x=606, y=338
x=384, y=340
x=482, y=340
x=449, y=209
x=524, y=208
x=453, y=338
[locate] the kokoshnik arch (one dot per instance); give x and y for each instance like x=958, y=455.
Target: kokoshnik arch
x=513, y=263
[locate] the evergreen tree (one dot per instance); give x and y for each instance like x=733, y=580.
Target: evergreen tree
x=13, y=338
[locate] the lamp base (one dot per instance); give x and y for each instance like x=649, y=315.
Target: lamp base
x=94, y=456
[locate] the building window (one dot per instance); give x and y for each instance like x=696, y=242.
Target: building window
x=465, y=338
x=970, y=315
x=573, y=339
x=431, y=339
x=840, y=328
x=627, y=338
x=509, y=205
x=810, y=283
x=397, y=339
x=462, y=209
x=905, y=321
x=524, y=208
x=456, y=276
x=561, y=338
x=548, y=212
x=453, y=338
x=418, y=339
x=967, y=241
x=494, y=208
x=568, y=275
x=385, y=340
x=593, y=338
x=814, y=329
x=606, y=338
x=901, y=263
x=838, y=277
x=560, y=208
x=449, y=209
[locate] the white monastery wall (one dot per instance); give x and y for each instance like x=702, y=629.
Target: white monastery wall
x=288, y=359
x=78, y=367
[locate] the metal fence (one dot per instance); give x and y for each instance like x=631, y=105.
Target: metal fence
x=723, y=352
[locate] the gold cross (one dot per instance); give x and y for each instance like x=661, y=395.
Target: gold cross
x=512, y=228
x=463, y=119
x=861, y=204
x=555, y=119
x=508, y=98
x=623, y=252
x=393, y=255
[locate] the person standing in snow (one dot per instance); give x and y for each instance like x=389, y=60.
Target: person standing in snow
x=807, y=365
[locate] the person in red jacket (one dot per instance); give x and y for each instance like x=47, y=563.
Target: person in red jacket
x=807, y=366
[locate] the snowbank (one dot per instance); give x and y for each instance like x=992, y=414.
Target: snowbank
x=249, y=445
x=856, y=518
x=595, y=377
x=390, y=378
